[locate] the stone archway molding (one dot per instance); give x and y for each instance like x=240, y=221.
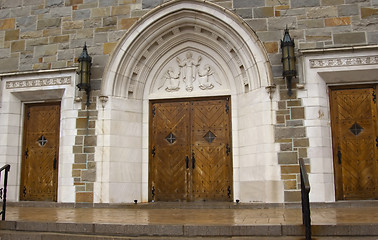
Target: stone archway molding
x=192, y=22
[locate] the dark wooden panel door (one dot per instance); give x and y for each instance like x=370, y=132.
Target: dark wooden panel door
x=39, y=172
x=354, y=131
x=190, y=150
x=211, y=146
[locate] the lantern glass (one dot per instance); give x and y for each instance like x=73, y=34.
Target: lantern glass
x=288, y=59
x=84, y=70
x=288, y=56
x=84, y=73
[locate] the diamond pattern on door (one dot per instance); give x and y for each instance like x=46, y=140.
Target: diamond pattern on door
x=39, y=173
x=354, y=124
x=188, y=151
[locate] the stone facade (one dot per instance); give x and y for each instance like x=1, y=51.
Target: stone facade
x=47, y=36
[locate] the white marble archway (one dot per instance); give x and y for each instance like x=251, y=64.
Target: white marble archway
x=226, y=52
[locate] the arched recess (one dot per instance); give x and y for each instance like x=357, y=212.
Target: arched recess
x=216, y=37
x=177, y=22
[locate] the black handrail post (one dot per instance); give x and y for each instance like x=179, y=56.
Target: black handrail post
x=7, y=169
x=305, y=191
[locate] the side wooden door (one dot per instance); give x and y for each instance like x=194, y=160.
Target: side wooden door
x=39, y=170
x=354, y=136
x=190, y=150
x=211, y=150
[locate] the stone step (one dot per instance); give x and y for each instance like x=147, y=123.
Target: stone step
x=13, y=235
x=183, y=231
x=195, y=205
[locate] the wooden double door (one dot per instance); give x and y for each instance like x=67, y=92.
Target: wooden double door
x=39, y=170
x=355, y=142
x=190, y=150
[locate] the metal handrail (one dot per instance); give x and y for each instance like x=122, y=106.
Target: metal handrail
x=3, y=191
x=305, y=191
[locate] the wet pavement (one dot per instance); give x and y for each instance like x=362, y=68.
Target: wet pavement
x=199, y=216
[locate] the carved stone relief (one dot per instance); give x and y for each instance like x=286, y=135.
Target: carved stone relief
x=189, y=73
x=345, y=61
x=38, y=82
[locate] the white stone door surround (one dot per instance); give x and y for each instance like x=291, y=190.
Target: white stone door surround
x=185, y=49
x=321, y=69
x=17, y=89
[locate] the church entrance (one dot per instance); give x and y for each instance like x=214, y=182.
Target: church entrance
x=354, y=131
x=190, y=155
x=39, y=170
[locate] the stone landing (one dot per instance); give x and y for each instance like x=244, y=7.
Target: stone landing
x=189, y=221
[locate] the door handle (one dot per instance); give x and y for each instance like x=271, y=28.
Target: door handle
x=187, y=162
x=339, y=154
x=193, y=161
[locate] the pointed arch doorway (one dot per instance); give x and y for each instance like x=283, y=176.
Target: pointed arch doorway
x=182, y=50
x=190, y=150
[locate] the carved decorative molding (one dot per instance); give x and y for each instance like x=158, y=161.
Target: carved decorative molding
x=342, y=62
x=39, y=82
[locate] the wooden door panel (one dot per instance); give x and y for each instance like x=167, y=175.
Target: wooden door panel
x=212, y=176
x=207, y=173
x=40, y=153
x=357, y=171
x=169, y=174
x=353, y=114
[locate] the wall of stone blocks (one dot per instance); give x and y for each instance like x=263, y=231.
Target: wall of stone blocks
x=50, y=34
x=84, y=166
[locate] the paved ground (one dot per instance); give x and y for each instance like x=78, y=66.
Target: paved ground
x=234, y=216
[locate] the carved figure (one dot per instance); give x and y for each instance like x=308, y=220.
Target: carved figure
x=171, y=80
x=206, y=78
x=188, y=69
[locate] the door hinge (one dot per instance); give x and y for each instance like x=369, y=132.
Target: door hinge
x=153, y=193
x=153, y=151
x=229, y=192
x=55, y=162
x=24, y=191
x=153, y=110
x=27, y=153
x=376, y=142
x=28, y=115
x=228, y=149
x=374, y=97
x=339, y=154
x=227, y=107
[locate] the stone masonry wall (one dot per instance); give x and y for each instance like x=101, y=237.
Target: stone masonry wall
x=50, y=34
x=84, y=167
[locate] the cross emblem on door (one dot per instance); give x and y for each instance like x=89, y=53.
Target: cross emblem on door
x=42, y=141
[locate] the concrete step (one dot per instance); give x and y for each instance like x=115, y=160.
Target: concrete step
x=53, y=230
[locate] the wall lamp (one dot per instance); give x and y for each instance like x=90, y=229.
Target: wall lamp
x=288, y=59
x=84, y=72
